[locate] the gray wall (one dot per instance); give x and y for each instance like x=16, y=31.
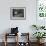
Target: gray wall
x=24, y=25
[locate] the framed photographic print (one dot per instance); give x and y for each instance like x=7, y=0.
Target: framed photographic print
x=17, y=13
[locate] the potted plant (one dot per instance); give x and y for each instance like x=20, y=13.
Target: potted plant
x=38, y=27
x=39, y=35
x=35, y=26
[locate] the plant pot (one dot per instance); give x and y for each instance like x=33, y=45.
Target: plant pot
x=40, y=40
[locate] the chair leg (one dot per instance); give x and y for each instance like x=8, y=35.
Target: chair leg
x=5, y=43
x=5, y=40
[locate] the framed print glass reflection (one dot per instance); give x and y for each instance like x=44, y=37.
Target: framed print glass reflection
x=17, y=13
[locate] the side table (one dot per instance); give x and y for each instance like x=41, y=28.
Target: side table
x=8, y=34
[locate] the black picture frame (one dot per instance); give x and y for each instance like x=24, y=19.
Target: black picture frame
x=17, y=13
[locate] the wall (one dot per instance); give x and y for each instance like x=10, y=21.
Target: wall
x=24, y=25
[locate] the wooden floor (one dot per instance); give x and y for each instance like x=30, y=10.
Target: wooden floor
x=13, y=44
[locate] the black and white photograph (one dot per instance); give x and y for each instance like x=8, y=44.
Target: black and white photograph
x=17, y=13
